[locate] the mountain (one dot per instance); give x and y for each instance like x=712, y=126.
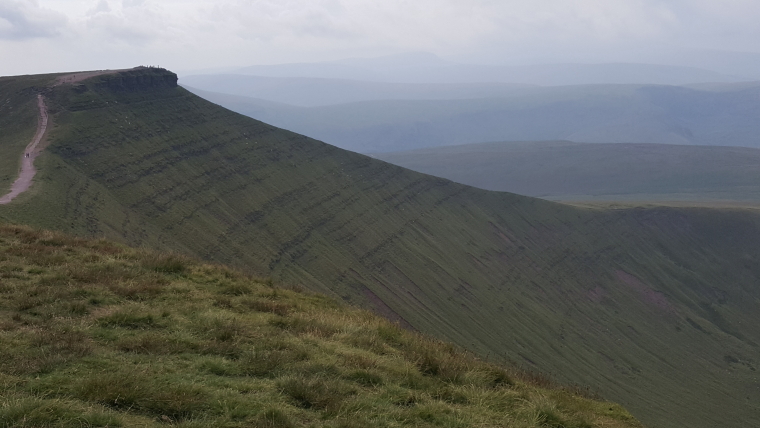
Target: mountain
x=428, y=68
x=725, y=62
x=565, y=171
x=721, y=116
x=311, y=92
x=94, y=334
x=655, y=308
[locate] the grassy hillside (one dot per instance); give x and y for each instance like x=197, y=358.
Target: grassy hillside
x=587, y=113
x=95, y=334
x=568, y=171
x=630, y=302
x=18, y=122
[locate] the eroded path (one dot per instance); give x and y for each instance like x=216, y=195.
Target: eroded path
x=31, y=152
x=83, y=75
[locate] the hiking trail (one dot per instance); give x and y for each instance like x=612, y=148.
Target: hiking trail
x=31, y=152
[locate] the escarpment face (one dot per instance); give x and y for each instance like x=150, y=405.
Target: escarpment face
x=139, y=79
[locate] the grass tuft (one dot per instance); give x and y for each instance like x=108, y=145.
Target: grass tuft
x=316, y=393
x=168, y=263
x=130, y=320
x=37, y=412
x=273, y=418
x=263, y=305
x=365, y=378
x=144, y=394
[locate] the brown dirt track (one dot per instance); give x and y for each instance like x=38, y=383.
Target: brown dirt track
x=27, y=173
x=24, y=180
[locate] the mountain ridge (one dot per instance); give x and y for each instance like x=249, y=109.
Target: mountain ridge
x=313, y=92
x=591, y=114
x=581, y=293
x=429, y=68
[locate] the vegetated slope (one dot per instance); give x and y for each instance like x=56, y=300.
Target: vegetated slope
x=566, y=171
x=591, y=113
x=18, y=123
x=95, y=334
x=632, y=302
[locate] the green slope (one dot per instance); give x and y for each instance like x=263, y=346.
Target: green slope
x=18, y=122
x=566, y=171
x=633, y=303
x=95, y=334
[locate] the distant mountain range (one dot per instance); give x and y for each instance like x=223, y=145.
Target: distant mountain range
x=428, y=68
x=707, y=114
x=314, y=91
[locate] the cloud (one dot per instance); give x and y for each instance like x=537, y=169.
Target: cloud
x=444, y=26
x=21, y=20
x=128, y=22
x=451, y=27
x=392, y=22
x=217, y=33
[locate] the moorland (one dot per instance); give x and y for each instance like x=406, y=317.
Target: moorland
x=652, y=308
x=100, y=335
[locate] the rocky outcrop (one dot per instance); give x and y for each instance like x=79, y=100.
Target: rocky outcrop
x=138, y=79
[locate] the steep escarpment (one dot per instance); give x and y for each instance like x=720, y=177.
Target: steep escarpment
x=630, y=302
x=138, y=79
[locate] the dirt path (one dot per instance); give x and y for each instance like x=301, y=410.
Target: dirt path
x=31, y=152
x=78, y=77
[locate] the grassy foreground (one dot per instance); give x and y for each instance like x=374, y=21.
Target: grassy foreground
x=96, y=334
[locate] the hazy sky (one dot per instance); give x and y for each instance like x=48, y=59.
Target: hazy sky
x=57, y=35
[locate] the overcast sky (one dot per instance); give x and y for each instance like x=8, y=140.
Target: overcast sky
x=60, y=35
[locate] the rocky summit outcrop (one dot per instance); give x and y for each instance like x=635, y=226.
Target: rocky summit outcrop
x=138, y=79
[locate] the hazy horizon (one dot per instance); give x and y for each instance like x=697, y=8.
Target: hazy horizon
x=39, y=36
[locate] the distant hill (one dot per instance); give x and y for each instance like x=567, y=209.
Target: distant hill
x=428, y=68
x=311, y=92
x=718, y=115
x=566, y=171
x=654, y=308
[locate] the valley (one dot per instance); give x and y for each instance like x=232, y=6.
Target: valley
x=616, y=172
